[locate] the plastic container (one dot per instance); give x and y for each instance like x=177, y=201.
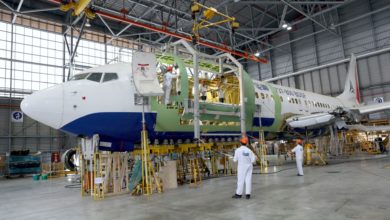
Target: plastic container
x=36, y=177
x=44, y=176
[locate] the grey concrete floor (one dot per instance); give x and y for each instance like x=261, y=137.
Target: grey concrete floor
x=354, y=190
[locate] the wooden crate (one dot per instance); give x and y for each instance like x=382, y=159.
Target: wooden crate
x=53, y=169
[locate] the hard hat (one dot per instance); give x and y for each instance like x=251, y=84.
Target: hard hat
x=244, y=140
x=169, y=68
x=298, y=141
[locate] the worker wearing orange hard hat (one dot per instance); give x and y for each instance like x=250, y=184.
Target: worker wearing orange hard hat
x=298, y=150
x=245, y=159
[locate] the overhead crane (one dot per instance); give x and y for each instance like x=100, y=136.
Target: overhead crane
x=118, y=16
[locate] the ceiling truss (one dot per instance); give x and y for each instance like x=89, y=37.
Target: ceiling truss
x=171, y=19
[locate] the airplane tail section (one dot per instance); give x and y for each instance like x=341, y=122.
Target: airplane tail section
x=351, y=89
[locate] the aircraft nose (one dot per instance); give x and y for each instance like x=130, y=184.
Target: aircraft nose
x=45, y=106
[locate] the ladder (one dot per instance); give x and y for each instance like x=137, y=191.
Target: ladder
x=157, y=185
x=98, y=186
x=262, y=152
x=196, y=178
x=148, y=174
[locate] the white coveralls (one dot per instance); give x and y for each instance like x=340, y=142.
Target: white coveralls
x=203, y=92
x=245, y=159
x=178, y=86
x=298, y=150
x=168, y=76
x=221, y=95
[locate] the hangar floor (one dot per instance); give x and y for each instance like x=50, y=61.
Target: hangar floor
x=354, y=190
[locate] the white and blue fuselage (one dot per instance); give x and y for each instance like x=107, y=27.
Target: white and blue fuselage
x=103, y=100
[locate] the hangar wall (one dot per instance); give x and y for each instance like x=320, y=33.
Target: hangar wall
x=370, y=32
x=29, y=134
x=36, y=62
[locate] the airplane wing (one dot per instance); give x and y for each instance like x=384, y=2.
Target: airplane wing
x=310, y=121
x=367, y=109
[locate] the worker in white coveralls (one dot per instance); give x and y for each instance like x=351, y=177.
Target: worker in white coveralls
x=168, y=76
x=298, y=150
x=221, y=95
x=245, y=158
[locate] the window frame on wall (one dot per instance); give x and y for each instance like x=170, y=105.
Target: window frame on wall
x=39, y=59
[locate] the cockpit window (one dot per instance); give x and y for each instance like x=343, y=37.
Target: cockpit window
x=110, y=76
x=79, y=76
x=95, y=77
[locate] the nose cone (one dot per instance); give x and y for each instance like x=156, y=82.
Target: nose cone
x=45, y=106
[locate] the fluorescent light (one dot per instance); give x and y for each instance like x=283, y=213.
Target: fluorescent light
x=87, y=24
x=284, y=25
x=289, y=28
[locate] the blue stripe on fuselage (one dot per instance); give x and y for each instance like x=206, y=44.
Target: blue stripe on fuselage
x=121, y=125
x=264, y=121
x=123, y=129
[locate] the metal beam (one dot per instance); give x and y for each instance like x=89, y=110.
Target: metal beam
x=136, y=34
x=221, y=4
x=17, y=11
x=169, y=31
x=295, y=23
x=129, y=25
x=265, y=12
x=252, y=21
x=107, y=26
x=190, y=22
x=262, y=18
x=256, y=29
x=179, y=35
x=337, y=25
x=117, y=16
x=160, y=39
x=309, y=17
x=67, y=45
x=369, y=54
x=39, y=10
x=73, y=24
x=283, y=14
x=6, y=5
x=260, y=25
x=78, y=39
x=292, y=2
x=10, y=87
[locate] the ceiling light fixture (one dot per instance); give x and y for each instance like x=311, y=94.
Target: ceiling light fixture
x=87, y=24
x=289, y=28
x=284, y=25
x=257, y=54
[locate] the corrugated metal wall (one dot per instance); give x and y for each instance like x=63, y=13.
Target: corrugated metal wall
x=29, y=134
x=369, y=33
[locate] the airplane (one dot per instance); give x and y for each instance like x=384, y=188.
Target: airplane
x=104, y=100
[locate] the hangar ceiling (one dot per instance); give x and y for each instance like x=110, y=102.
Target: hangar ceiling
x=259, y=20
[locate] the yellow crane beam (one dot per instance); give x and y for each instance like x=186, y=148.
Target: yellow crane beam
x=78, y=7
x=81, y=5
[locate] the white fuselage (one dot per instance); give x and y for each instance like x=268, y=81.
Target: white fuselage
x=91, y=105
x=293, y=101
